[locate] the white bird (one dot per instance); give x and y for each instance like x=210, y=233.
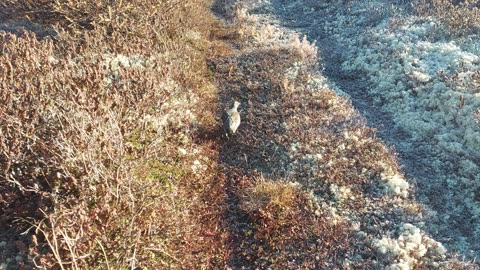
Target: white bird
x=231, y=119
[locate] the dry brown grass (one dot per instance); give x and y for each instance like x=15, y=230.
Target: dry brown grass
x=96, y=142
x=266, y=195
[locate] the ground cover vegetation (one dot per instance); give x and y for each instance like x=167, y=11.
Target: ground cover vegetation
x=100, y=103
x=112, y=157
x=360, y=198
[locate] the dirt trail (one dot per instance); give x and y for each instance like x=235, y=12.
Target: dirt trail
x=253, y=151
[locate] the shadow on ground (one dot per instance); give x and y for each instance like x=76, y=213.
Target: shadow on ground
x=254, y=151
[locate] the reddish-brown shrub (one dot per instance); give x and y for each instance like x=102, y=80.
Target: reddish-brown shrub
x=91, y=126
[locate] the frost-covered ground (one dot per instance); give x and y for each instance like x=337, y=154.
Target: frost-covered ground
x=418, y=86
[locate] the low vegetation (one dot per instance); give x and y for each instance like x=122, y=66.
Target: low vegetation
x=461, y=17
x=99, y=109
x=111, y=154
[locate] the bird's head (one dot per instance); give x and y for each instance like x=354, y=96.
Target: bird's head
x=236, y=104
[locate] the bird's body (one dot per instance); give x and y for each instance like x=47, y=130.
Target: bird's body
x=231, y=119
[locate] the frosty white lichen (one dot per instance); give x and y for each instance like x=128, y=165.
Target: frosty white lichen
x=420, y=76
x=341, y=193
x=396, y=184
x=411, y=248
x=427, y=83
